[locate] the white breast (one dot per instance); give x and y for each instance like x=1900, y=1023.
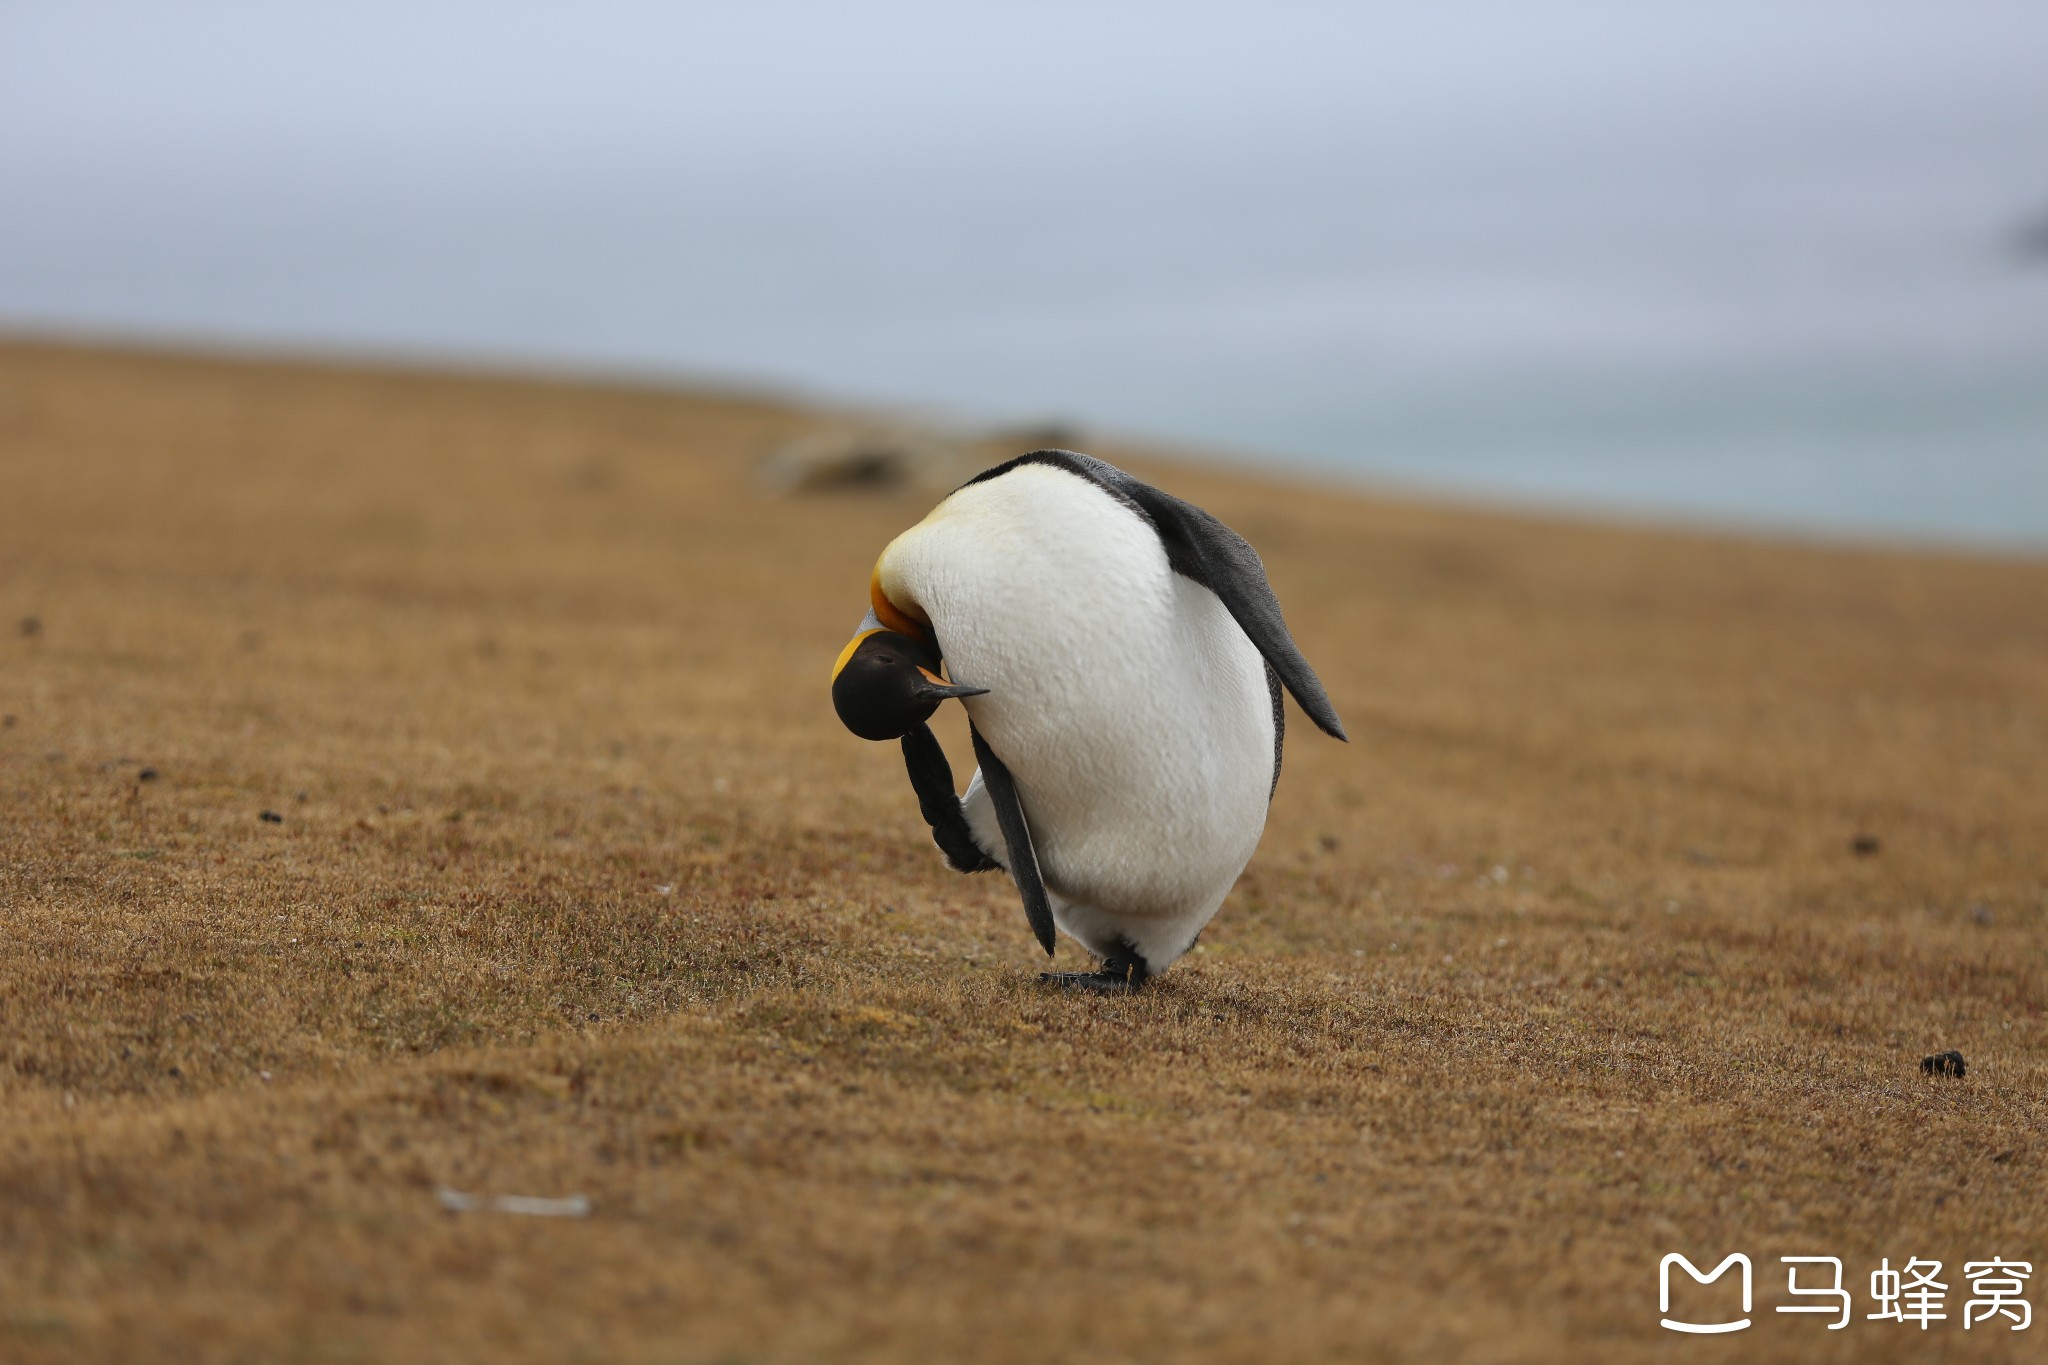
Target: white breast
x=1130, y=707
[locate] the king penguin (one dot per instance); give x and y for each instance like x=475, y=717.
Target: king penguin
x=1121, y=658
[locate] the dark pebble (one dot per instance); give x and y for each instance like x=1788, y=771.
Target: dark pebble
x=146, y=775
x=1948, y=1063
x=6, y=722
x=31, y=626
x=271, y=817
x=1864, y=845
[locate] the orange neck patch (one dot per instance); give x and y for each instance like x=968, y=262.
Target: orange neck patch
x=917, y=626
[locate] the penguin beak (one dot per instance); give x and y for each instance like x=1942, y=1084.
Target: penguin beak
x=935, y=688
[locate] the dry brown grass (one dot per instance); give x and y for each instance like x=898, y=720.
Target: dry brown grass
x=1565, y=962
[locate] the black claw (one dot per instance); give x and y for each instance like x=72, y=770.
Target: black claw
x=1123, y=970
x=1102, y=983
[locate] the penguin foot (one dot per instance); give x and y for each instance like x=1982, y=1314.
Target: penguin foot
x=1104, y=982
x=1122, y=971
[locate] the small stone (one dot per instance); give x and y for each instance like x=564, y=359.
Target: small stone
x=1981, y=914
x=1948, y=1063
x=575, y=1206
x=1865, y=845
x=271, y=817
x=146, y=775
x=6, y=722
x=31, y=626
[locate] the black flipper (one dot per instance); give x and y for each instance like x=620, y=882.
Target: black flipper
x=1201, y=548
x=932, y=778
x=1002, y=790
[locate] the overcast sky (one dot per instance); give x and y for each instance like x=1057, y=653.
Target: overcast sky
x=1244, y=222
x=490, y=170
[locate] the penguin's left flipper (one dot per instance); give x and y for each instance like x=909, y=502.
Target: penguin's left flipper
x=1200, y=547
x=931, y=776
x=1203, y=549
x=1002, y=791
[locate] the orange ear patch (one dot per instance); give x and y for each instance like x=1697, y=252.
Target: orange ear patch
x=847, y=653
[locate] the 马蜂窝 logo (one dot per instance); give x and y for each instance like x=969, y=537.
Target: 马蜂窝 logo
x=1911, y=1295
x=1703, y=1328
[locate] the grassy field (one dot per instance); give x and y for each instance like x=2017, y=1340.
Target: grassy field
x=571, y=884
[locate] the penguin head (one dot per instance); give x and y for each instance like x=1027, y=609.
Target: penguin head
x=885, y=684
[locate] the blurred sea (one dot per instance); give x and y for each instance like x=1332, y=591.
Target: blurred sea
x=1766, y=266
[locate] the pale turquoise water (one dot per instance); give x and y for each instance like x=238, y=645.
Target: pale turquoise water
x=1923, y=456
x=1750, y=263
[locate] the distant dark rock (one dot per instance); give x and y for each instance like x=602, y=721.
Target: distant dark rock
x=271, y=817
x=1865, y=845
x=31, y=626
x=2030, y=241
x=1948, y=1063
x=904, y=454
x=867, y=459
x=146, y=775
x=1050, y=435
